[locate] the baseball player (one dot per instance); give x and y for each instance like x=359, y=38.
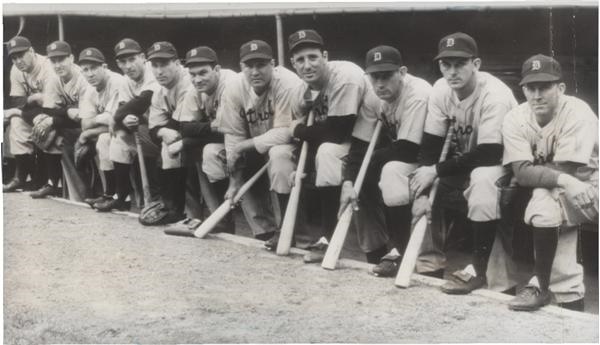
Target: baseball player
x=382, y=211
x=59, y=125
x=472, y=105
x=131, y=116
x=164, y=117
x=97, y=108
x=255, y=113
x=338, y=90
x=551, y=145
x=199, y=124
x=28, y=75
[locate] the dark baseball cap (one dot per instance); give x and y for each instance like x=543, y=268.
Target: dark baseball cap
x=383, y=58
x=164, y=50
x=58, y=48
x=127, y=46
x=91, y=55
x=202, y=54
x=18, y=44
x=540, y=68
x=307, y=36
x=255, y=49
x=457, y=45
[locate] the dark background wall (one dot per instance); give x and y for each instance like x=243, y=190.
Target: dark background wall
x=505, y=37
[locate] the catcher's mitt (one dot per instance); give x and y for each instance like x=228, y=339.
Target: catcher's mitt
x=82, y=153
x=156, y=213
x=43, y=134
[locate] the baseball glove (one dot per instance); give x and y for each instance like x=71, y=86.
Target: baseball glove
x=156, y=213
x=43, y=134
x=83, y=152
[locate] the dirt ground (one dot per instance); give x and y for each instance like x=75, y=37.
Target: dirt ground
x=72, y=275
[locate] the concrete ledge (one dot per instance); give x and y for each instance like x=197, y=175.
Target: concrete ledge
x=354, y=264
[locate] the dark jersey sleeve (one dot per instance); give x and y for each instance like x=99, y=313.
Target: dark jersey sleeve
x=483, y=155
x=335, y=129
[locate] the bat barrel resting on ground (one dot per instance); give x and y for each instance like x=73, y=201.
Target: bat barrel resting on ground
x=341, y=230
x=409, y=260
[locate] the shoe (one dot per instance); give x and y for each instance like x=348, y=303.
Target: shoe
x=529, y=299
x=462, y=283
x=271, y=243
x=316, y=252
x=46, y=190
x=94, y=201
x=12, y=185
x=388, y=266
x=110, y=204
x=434, y=274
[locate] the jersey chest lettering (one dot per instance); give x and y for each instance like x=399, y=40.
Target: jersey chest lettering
x=253, y=115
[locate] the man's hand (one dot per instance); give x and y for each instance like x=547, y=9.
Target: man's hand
x=131, y=122
x=168, y=136
x=36, y=98
x=421, y=207
x=348, y=198
x=421, y=179
x=73, y=114
x=234, y=187
x=581, y=194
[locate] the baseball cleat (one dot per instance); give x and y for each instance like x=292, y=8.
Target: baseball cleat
x=462, y=283
x=12, y=186
x=112, y=204
x=46, y=190
x=531, y=298
x=316, y=253
x=94, y=201
x=271, y=243
x=388, y=266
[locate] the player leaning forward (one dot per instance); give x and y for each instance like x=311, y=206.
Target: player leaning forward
x=384, y=210
x=551, y=144
x=256, y=112
x=472, y=105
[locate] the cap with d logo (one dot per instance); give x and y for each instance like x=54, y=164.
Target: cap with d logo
x=255, y=49
x=58, y=48
x=127, y=46
x=457, y=45
x=162, y=50
x=91, y=55
x=383, y=58
x=18, y=44
x=540, y=68
x=306, y=36
x=202, y=54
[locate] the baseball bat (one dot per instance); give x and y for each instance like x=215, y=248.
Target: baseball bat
x=289, y=219
x=341, y=229
x=409, y=260
x=218, y=214
x=143, y=171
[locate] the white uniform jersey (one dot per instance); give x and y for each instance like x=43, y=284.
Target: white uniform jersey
x=96, y=102
x=202, y=107
x=571, y=136
x=245, y=114
x=404, y=118
x=58, y=94
x=166, y=103
x=476, y=119
x=26, y=84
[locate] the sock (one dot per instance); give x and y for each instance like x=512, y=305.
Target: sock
x=484, y=234
x=178, y=183
x=283, y=202
x=123, y=184
x=374, y=257
x=545, y=241
x=329, y=198
x=23, y=166
x=398, y=224
x=110, y=177
x=53, y=167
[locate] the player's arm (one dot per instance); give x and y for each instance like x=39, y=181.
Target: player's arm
x=137, y=106
x=162, y=126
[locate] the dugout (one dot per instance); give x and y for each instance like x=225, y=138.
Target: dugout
x=506, y=33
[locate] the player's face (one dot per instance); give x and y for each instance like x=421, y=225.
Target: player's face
x=62, y=65
x=310, y=64
x=258, y=72
x=459, y=72
x=132, y=65
x=23, y=60
x=386, y=84
x=94, y=73
x=543, y=97
x=165, y=71
x=204, y=77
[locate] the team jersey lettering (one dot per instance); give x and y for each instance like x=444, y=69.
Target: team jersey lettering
x=253, y=116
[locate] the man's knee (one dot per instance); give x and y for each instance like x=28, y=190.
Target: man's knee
x=543, y=209
x=394, y=183
x=214, y=162
x=328, y=162
x=281, y=168
x=483, y=194
x=103, y=150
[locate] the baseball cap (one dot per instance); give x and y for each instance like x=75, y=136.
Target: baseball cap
x=91, y=55
x=164, y=50
x=540, y=68
x=58, y=48
x=457, y=45
x=202, y=54
x=304, y=36
x=18, y=44
x=127, y=46
x=255, y=49
x=383, y=58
